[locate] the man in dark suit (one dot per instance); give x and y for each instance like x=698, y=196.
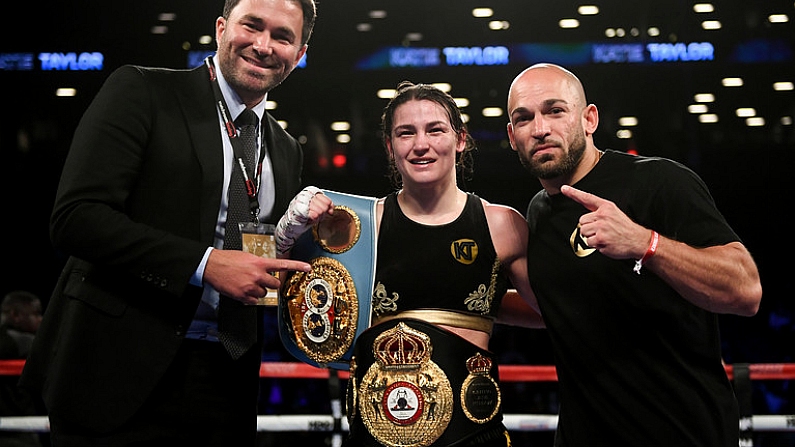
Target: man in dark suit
x=128, y=351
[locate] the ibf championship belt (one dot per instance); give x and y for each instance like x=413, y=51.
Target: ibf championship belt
x=322, y=312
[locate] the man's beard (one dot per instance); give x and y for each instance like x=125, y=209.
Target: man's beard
x=546, y=168
x=249, y=83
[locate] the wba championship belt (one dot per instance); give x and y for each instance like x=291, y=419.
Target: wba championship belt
x=321, y=313
x=413, y=384
x=405, y=399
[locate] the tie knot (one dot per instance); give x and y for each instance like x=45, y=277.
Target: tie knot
x=246, y=118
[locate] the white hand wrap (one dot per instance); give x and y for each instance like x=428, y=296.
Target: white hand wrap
x=294, y=222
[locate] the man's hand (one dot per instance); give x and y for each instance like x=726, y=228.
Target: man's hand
x=244, y=276
x=607, y=229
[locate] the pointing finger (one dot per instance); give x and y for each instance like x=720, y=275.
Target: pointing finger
x=586, y=199
x=287, y=264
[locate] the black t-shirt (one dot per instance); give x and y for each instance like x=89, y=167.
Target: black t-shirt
x=637, y=363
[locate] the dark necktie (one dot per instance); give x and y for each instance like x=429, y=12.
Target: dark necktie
x=237, y=323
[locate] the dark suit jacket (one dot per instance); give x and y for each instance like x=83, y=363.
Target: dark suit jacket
x=135, y=210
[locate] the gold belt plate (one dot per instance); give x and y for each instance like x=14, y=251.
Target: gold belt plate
x=323, y=309
x=405, y=399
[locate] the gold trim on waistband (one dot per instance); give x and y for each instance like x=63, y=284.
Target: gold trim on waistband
x=444, y=317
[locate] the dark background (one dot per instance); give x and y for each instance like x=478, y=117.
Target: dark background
x=746, y=168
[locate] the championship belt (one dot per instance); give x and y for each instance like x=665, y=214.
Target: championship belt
x=413, y=384
x=405, y=399
x=322, y=312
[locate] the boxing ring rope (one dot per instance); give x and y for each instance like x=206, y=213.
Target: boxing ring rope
x=508, y=373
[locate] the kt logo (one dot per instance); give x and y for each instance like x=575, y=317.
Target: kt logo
x=464, y=251
x=578, y=244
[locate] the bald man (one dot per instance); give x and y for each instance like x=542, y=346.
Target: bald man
x=631, y=268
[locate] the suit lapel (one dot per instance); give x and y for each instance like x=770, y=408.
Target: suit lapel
x=279, y=160
x=201, y=117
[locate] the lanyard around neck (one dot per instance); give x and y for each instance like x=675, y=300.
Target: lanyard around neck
x=252, y=185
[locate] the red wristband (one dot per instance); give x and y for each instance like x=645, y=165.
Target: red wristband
x=655, y=239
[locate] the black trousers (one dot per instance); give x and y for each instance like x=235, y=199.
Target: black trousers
x=204, y=399
x=496, y=437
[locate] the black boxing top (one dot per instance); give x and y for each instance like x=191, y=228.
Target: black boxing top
x=452, y=266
